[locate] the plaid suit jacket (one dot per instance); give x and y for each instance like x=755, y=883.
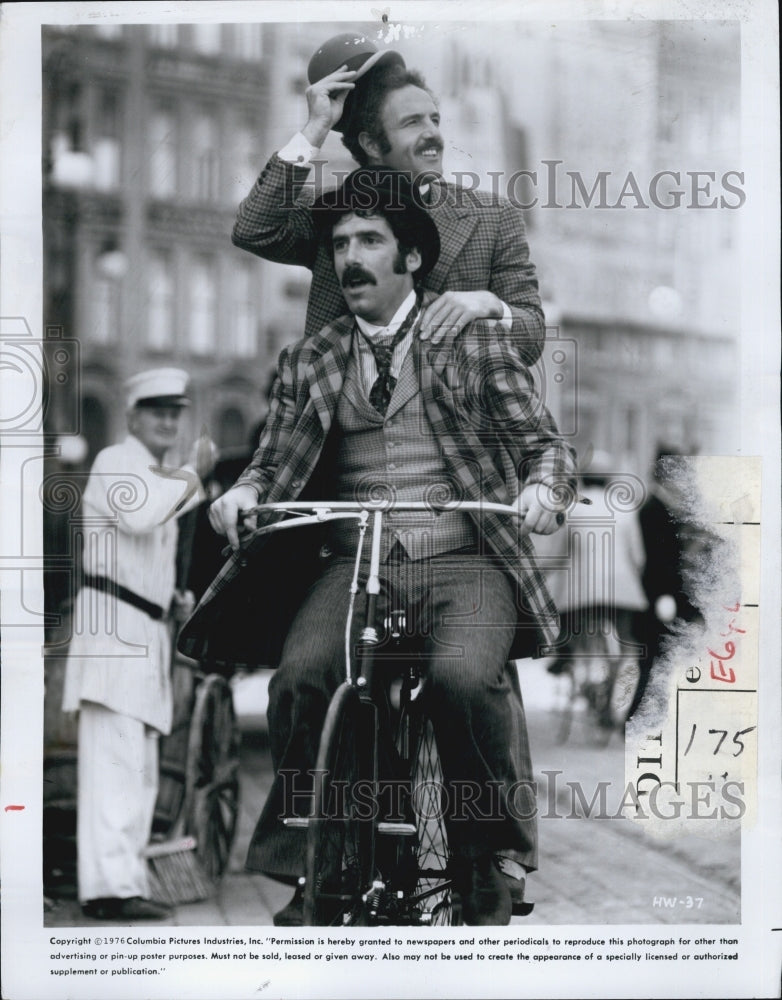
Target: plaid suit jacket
x=483, y=246
x=494, y=432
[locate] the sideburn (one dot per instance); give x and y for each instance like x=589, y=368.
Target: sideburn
x=400, y=261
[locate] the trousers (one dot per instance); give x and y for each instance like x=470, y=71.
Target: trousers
x=118, y=782
x=462, y=606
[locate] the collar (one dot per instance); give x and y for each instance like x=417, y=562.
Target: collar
x=380, y=333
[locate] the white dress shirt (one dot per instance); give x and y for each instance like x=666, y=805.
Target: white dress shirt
x=365, y=358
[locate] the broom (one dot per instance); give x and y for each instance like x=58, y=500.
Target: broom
x=175, y=873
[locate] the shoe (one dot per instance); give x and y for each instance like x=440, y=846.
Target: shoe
x=516, y=877
x=486, y=897
x=291, y=915
x=518, y=905
x=131, y=908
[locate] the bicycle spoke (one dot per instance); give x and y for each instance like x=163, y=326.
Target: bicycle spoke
x=339, y=852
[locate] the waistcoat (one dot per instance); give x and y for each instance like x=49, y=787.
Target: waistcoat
x=397, y=457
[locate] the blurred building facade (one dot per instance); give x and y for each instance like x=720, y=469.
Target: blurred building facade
x=593, y=127
x=154, y=133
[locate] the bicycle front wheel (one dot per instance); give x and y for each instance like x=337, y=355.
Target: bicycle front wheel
x=433, y=897
x=340, y=842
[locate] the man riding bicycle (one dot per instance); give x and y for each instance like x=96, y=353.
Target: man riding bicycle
x=366, y=406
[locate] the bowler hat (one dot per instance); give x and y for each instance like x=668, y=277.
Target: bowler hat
x=355, y=51
x=390, y=193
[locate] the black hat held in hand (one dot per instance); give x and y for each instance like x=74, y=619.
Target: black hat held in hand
x=358, y=54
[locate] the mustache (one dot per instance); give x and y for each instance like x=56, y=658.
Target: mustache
x=430, y=144
x=355, y=272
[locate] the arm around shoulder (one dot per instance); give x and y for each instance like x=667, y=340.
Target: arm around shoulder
x=514, y=281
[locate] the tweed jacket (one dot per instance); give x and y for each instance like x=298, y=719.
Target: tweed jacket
x=483, y=246
x=494, y=433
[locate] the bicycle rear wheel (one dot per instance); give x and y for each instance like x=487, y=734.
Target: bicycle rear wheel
x=340, y=842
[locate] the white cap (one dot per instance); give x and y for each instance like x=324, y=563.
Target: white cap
x=163, y=386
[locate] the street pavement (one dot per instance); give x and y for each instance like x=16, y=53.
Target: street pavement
x=592, y=870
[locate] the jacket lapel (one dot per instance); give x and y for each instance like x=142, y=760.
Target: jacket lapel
x=455, y=224
x=322, y=377
x=325, y=375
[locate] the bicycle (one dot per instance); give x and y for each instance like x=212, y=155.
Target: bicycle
x=598, y=680
x=365, y=865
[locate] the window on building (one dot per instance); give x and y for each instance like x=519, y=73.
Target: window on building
x=71, y=163
x=162, y=153
x=95, y=426
x=244, y=165
x=204, y=156
x=164, y=36
x=632, y=437
x=104, y=299
x=161, y=301
x=669, y=109
x=206, y=38
x=202, y=319
x=243, y=326
x=110, y=31
x=106, y=148
x=247, y=41
x=68, y=115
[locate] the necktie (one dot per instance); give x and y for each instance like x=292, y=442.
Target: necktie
x=385, y=383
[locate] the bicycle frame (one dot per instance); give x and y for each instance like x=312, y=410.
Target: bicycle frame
x=432, y=882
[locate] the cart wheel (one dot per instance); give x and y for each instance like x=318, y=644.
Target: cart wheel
x=212, y=778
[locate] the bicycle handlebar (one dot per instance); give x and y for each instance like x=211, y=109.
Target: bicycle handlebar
x=383, y=506
x=323, y=511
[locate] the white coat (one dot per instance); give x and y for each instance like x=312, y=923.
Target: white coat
x=119, y=656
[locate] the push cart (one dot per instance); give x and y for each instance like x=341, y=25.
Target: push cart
x=198, y=794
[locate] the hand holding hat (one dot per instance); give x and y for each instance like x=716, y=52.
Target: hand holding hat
x=325, y=103
x=333, y=72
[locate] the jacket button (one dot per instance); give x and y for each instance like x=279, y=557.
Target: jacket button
x=296, y=484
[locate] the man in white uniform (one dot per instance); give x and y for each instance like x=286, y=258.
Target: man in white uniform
x=118, y=672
